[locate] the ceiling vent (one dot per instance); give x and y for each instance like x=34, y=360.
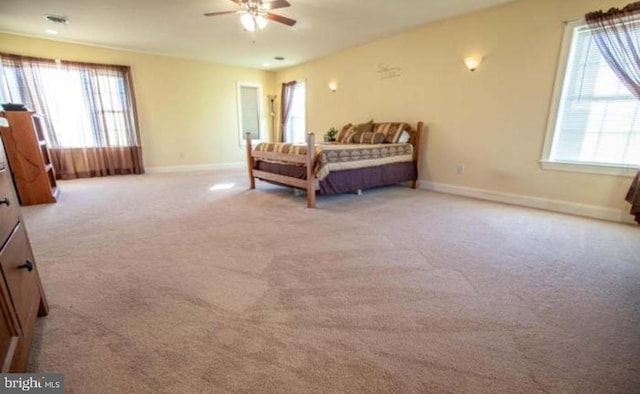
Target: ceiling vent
x=61, y=20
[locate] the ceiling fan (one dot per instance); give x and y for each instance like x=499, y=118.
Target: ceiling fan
x=255, y=13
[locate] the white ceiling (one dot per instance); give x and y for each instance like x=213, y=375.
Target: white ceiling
x=178, y=28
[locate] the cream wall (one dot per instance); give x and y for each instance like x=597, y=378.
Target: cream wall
x=493, y=120
x=187, y=109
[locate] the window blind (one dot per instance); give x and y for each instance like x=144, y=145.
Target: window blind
x=250, y=111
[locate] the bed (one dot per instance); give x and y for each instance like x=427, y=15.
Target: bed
x=333, y=168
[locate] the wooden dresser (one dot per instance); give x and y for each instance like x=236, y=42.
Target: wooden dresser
x=29, y=158
x=21, y=295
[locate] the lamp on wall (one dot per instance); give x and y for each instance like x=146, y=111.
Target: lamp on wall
x=473, y=62
x=333, y=86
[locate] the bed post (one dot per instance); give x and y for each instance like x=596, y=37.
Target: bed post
x=311, y=153
x=252, y=180
x=416, y=151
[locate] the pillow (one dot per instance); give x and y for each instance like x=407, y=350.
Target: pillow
x=391, y=131
x=365, y=127
x=345, y=136
x=343, y=132
x=404, y=137
x=368, y=137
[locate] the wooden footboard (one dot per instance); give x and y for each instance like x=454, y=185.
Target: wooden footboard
x=416, y=141
x=250, y=161
x=310, y=184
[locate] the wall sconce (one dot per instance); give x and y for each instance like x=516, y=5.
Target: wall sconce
x=473, y=62
x=333, y=86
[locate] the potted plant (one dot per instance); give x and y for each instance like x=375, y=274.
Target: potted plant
x=331, y=134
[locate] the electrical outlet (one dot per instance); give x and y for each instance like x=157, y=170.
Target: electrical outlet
x=460, y=169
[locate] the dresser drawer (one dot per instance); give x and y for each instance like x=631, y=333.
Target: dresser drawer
x=9, y=213
x=8, y=344
x=23, y=284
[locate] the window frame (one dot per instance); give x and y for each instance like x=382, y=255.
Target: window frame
x=546, y=163
x=261, y=127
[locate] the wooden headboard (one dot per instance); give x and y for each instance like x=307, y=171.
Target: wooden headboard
x=417, y=136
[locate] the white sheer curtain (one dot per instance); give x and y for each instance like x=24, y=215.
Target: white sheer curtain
x=287, y=96
x=617, y=34
x=296, y=124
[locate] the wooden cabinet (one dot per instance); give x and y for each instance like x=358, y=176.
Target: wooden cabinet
x=21, y=296
x=29, y=158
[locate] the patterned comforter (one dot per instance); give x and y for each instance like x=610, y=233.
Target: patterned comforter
x=335, y=157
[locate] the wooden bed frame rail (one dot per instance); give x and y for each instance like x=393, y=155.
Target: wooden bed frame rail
x=310, y=184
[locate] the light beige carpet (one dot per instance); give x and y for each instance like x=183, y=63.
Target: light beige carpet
x=189, y=283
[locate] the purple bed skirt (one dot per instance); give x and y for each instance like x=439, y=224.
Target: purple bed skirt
x=346, y=181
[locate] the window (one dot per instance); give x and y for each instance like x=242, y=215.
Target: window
x=296, y=126
x=86, y=106
x=249, y=111
x=595, y=121
x=88, y=110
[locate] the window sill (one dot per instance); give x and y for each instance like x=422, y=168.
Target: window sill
x=589, y=168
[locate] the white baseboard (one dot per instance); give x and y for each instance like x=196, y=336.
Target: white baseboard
x=571, y=208
x=197, y=167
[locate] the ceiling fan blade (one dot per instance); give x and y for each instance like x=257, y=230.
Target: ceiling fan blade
x=238, y=2
x=220, y=13
x=272, y=5
x=281, y=19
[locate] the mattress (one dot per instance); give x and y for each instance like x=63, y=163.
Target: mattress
x=340, y=157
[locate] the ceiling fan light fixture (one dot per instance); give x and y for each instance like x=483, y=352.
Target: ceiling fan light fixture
x=255, y=14
x=261, y=21
x=247, y=22
x=253, y=22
